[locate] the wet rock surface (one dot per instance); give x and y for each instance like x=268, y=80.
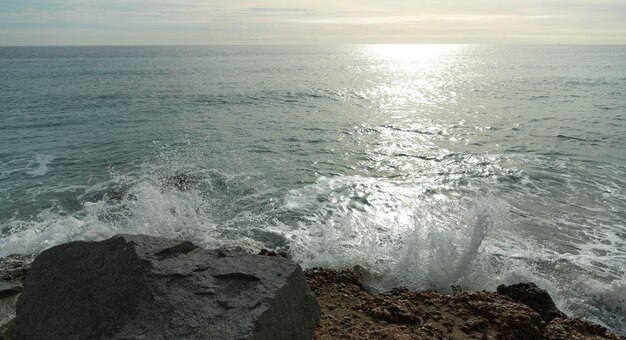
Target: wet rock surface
x=534, y=297
x=154, y=288
x=7, y=330
x=8, y=289
x=13, y=268
x=9, y=293
x=350, y=311
x=7, y=315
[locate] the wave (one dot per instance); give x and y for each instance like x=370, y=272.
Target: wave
x=383, y=226
x=304, y=98
x=402, y=232
x=576, y=138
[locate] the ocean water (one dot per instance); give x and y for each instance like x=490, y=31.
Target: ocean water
x=429, y=165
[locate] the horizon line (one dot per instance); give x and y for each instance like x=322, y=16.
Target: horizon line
x=316, y=44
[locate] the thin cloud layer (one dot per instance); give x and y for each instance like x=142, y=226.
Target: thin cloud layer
x=72, y=22
x=419, y=18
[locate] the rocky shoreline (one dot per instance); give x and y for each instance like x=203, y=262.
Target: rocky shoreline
x=523, y=311
x=252, y=296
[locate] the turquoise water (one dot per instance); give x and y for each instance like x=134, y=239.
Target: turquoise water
x=428, y=165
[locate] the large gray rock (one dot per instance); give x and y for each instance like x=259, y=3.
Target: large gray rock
x=143, y=287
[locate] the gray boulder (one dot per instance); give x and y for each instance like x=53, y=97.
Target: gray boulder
x=144, y=287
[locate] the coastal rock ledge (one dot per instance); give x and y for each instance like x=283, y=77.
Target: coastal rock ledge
x=144, y=287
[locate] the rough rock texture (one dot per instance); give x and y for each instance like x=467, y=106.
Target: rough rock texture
x=7, y=330
x=574, y=329
x=154, y=288
x=9, y=289
x=7, y=312
x=13, y=268
x=8, y=297
x=350, y=311
x=533, y=296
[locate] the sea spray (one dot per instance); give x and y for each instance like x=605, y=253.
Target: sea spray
x=425, y=244
x=598, y=301
x=403, y=236
x=444, y=254
x=145, y=207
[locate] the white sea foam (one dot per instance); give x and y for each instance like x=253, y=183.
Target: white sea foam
x=391, y=228
x=398, y=230
x=418, y=241
x=145, y=209
x=41, y=162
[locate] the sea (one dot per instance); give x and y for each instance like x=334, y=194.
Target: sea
x=431, y=166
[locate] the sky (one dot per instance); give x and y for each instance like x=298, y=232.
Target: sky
x=191, y=22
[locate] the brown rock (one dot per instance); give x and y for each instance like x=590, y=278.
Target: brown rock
x=404, y=314
x=574, y=329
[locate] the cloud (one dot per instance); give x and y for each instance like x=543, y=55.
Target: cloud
x=418, y=18
x=321, y=21
x=269, y=10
